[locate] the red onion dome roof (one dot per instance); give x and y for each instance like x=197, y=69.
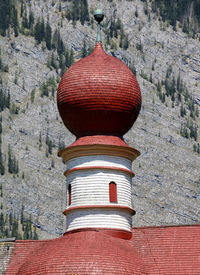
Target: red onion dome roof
x=99, y=95
x=85, y=252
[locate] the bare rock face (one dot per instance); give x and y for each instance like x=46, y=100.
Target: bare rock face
x=166, y=187
x=6, y=247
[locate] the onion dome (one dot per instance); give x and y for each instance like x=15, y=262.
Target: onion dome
x=99, y=95
x=84, y=252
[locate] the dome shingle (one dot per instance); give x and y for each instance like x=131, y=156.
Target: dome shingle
x=99, y=95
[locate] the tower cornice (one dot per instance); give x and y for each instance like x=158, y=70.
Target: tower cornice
x=67, y=172
x=99, y=149
x=118, y=207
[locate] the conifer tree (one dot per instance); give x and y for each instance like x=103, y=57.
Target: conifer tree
x=71, y=57
x=15, y=22
x=125, y=43
x=198, y=148
x=32, y=96
x=53, y=61
x=22, y=9
x=132, y=68
x=37, y=32
x=25, y=22
x=13, y=167
x=42, y=30
x=2, y=169
x=62, y=64
x=48, y=35
x=31, y=19
x=35, y=235
x=84, y=50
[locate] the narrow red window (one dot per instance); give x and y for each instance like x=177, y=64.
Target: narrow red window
x=113, y=191
x=69, y=194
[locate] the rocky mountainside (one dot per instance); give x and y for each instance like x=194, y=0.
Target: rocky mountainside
x=166, y=188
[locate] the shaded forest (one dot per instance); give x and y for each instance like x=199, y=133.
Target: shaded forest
x=187, y=12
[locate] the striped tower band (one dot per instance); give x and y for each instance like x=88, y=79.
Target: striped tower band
x=89, y=178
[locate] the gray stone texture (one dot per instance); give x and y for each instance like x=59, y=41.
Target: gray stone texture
x=166, y=188
x=6, y=247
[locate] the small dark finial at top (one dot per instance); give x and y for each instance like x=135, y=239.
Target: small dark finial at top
x=99, y=15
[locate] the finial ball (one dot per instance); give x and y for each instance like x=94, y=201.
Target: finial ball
x=98, y=15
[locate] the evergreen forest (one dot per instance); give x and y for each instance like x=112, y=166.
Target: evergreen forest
x=8, y=16
x=11, y=226
x=187, y=12
x=19, y=20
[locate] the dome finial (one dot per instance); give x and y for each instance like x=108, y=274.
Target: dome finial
x=99, y=15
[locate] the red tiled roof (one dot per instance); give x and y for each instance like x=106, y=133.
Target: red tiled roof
x=174, y=249
x=99, y=95
x=22, y=251
x=99, y=139
x=99, y=144
x=85, y=252
x=151, y=250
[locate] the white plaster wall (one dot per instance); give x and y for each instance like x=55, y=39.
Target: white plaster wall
x=98, y=218
x=91, y=187
x=99, y=160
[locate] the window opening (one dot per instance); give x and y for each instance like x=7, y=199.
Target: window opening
x=69, y=194
x=113, y=191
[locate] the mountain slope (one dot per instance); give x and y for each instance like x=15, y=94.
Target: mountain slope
x=167, y=182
